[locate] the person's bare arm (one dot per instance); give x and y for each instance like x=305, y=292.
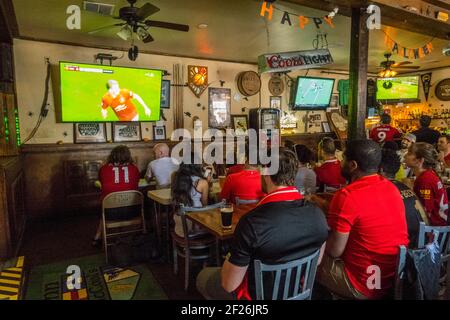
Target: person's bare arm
x=232, y=276
x=336, y=243
x=203, y=188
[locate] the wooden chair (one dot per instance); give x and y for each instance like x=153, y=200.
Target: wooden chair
x=443, y=235
x=132, y=201
x=400, y=273
x=304, y=271
x=191, y=246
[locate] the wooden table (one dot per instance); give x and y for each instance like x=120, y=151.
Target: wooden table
x=211, y=220
x=164, y=196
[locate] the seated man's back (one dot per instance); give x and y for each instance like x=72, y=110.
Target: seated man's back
x=372, y=212
x=245, y=184
x=329, y=173
x=162, y=169
x=277, y=232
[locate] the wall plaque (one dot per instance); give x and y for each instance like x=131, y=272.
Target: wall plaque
x=276, y=86
x=249, y=83
x=442, y=90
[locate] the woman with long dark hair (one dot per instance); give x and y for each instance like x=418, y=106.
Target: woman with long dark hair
x=190, y=188
x=422, y=158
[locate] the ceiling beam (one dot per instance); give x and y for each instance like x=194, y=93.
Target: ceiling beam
x=439, y=3
x=9, y=28
x=392, y=14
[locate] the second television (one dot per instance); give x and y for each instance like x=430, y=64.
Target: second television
x=312, y=93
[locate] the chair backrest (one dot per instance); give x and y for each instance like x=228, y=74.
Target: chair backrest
x=441, y=233
x=400, y=273
x=239, y=201
x=303, y=270
x=184, y=210
x=122, y=199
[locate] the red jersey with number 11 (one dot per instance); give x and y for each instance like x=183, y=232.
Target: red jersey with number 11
x=384, y=133
x=118, y=178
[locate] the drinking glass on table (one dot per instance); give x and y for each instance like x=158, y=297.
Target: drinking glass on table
x=226, y=213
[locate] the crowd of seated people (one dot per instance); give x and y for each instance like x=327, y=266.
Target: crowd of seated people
x=372, y=212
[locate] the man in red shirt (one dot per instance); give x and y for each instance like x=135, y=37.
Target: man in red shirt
x=245, y=184
x=384, y=132
x=368, y=224
x=329, y=173
x=443, y=147
x=118, y=174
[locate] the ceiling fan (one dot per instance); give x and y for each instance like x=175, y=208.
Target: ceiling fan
x=388, y=66
x=135, y=22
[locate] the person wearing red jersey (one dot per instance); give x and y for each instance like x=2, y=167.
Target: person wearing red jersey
x=368, y=224
x=118, y=174
x=120, y=100
x=283, y=227
x=422, y=159
x=443, y=146
x=384, y=132
x=329, y=173
x=245, y=184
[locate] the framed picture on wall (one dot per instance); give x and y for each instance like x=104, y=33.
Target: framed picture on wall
x=240, y=124
x=126, y=131
x=275, y=102
x=89, y=132
x=165, y=94
x=159, y=133
x=219, y=102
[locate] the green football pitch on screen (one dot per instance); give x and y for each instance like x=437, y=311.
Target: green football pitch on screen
x=314, y=92
x=97, y=93
x=398, y=88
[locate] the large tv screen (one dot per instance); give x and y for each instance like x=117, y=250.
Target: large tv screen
x=97, y=93
x=312, y=93
x=398, y=89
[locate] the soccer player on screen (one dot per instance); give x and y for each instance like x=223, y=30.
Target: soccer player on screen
x=120, y=100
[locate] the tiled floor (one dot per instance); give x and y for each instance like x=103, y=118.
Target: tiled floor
x=70, y=237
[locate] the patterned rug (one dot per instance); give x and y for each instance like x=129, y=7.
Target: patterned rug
x=88, y=278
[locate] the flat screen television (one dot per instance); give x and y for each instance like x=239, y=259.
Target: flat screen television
x=98, y=93
x=399, y=89
x=312, y=93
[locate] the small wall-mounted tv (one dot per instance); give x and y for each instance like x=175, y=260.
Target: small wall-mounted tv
x=312, y=93
x=98, y=93
x=399, y=89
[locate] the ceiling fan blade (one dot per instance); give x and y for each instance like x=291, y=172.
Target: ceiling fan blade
x=106, y=27
x=401, y=63
x=167, y=25
x=146, y=10
x=407, y=67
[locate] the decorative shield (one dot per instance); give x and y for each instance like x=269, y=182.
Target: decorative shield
x=197, y=79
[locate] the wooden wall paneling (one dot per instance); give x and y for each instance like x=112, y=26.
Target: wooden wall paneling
x=12, y=209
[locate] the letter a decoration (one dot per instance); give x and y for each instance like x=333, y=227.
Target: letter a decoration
x=197, y=79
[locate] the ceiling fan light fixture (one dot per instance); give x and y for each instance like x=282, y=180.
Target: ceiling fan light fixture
x=125, y=33
x=143, y=34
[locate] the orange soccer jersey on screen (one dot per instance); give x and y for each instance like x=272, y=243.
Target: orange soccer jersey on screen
x=122, y=105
